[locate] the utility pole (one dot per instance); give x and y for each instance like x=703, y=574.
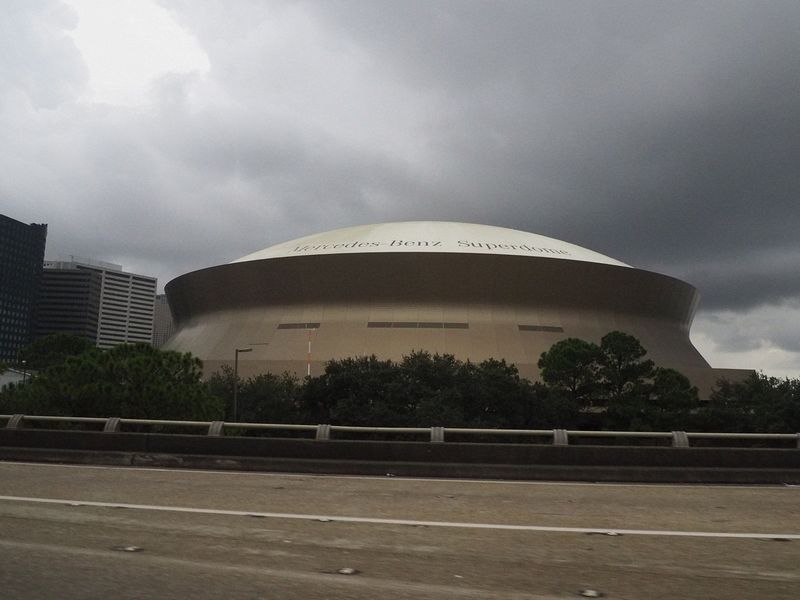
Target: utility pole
x=236, y=381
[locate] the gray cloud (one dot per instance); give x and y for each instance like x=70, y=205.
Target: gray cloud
x=39, y=60
x=777, y=327
x=662, y=134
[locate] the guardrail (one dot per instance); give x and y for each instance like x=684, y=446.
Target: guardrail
x=323, y=432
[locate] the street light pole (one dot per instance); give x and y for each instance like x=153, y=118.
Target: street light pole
x=236, y=381
x=308, y=355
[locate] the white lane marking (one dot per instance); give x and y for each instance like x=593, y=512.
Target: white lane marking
x=401, y=478
x=379, y=521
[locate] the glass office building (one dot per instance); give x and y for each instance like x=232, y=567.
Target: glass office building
x=21, y=260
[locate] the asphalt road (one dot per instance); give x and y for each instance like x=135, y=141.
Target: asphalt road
x=102, y=532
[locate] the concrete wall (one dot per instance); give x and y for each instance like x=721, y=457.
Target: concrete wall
x=523, y=461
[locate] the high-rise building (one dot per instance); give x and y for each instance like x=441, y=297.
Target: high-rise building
x=163, y=325
x=69, y=300
x=96, y=300
x=21, y=258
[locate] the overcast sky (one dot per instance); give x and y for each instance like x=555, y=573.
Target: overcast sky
x=173, y=135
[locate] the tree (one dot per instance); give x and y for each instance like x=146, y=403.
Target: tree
x=623, y=369
x=134, y=381
x=265, y=398
x=665, y=403
x=53, y=349
x=494, y=395
x=672, y=400
x=270, y=398
x=623, y=377
x=432, y=389
x=355, y=391
x=571, y=366
x=550, y=408
x=756, y=403
x=221, y=384
x=422, y=390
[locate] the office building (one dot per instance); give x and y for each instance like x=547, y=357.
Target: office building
x=163, y=325
x=96, y=300
x=21, y=257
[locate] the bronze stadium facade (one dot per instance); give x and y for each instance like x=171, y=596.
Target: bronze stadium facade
x=473, y=291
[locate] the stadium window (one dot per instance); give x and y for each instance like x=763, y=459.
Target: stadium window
x=298, y=326
x=546, y=328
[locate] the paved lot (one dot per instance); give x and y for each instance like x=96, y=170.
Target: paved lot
x=177, y=534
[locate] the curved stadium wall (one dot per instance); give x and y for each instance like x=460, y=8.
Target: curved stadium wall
x=475, y=302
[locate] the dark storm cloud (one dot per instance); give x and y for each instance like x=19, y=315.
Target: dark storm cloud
x=664, y=134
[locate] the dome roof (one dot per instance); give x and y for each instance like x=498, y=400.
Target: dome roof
x=430, y=236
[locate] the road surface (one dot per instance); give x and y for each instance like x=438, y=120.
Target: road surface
x=104, y=532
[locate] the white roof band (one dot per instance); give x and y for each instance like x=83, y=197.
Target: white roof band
x=431, y=236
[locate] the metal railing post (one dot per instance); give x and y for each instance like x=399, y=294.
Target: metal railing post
x=215, y=428
x=112, y=425
x=437, y=435
x=560, y=437
x=15, y=422
x=323, y=433
x=680, y=439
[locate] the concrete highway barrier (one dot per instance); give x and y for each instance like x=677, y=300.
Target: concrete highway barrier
x=407, y=458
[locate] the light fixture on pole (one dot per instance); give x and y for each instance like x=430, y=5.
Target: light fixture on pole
x=236, y=381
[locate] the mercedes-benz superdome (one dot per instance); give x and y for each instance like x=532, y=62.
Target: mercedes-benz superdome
x=473, y=291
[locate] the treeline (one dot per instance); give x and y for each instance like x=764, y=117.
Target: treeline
x=71, y=377
x=611, y=385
